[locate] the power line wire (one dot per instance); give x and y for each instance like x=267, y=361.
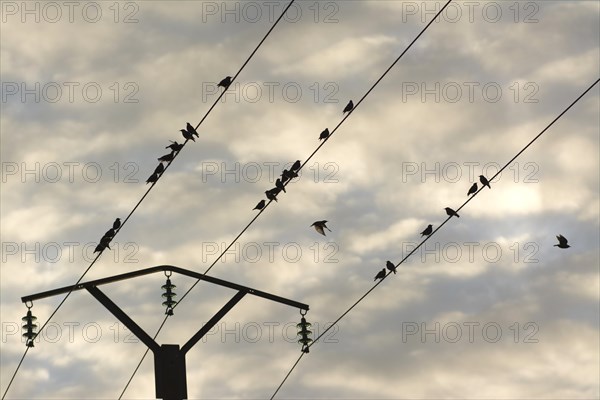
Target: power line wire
x=432, y=233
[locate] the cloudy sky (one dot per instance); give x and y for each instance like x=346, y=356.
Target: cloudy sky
x=487, y=308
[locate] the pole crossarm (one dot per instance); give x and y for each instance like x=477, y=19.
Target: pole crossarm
x=162, y=268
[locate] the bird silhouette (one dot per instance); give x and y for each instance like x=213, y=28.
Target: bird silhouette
x=390, y=265
x=349, y=107
x=191, y=130
x=99, y=248
x=167, y=157
x=117, y=224
x=153, y=178
x=105, y=241
x=160, y=168
x=324, y=134
x=109, y=234
x=174, y=146
x=484, y=181
x=187, y=135
x=271, y=195
x=225, y=82
x=473, y=189
x=380, y=275
x=279, y=185
x=451, y=212
x=296, y=166
x=562, y=242
x=427, y=231
x=288, y=175
x=260, y=205
x=320, y=227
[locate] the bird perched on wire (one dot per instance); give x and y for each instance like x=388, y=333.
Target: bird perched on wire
x=320, y=227
x=167, y=157
x=296, y=166
x=187, y=135
x=380, y=275
x=324, y=135
x=484, y=181
x=225, y=82
x=191, y=130
x=451, y=212
x=349, y=107
x=153, y=178
x=109, y=234
x=272, y=194
x=288, y=175
x=117, y=224
x=427, y=231
x=160, y=168
x=390, y=265
x=562, y=242
x=104, y=243
x=279, y=185
x=473, y=189
x=260, y=205
x=174, y=146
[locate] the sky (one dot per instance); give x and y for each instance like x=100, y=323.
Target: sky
x=92, y=92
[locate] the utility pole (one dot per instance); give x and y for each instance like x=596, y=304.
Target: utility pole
x=169, y=359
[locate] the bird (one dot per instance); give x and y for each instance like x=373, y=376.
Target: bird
x=427, y=231
x=320, y=226
x=296, y=166
x=174, y=146
x=167, y=157
x=187, y=135
x=562, y=242
x=160, y=168
x=380, y=275
x=288, y=175
x=153, y=178
x=271, y=195
x=99, y=248
x=105, y=241
x=191, y=130
x=260, y=205
x=225, y=82
x=279, y=185
x=451, y=212
x=390, y=265
x=484, y=181
x=348, y=107
x=324, y=134
x=117, y=224
x=473, y=189
x=109, y=233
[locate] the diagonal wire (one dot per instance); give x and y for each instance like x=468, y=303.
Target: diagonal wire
x=142, y=199
x=247, y=226
x=433, y=233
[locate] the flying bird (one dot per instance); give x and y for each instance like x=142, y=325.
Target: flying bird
x=272, y=195
x=160, y=168
x=187, y=135
x=473, y=189
x=279, y=185
x=320, y=226
x=451, y=212
x=427, y=231
x=174, y=146
x=225, y=82
x=296, y=165
x=390, y=265
x=191, y=130
x=117, y=224
x=324, y=134
x=484, y=181
x=167, y=157
x=260, y=205
x=153, y=178
x=349, y=107
x=562, y=242
x=380, y=275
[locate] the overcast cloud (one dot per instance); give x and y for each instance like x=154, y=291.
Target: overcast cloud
x=488, y=308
